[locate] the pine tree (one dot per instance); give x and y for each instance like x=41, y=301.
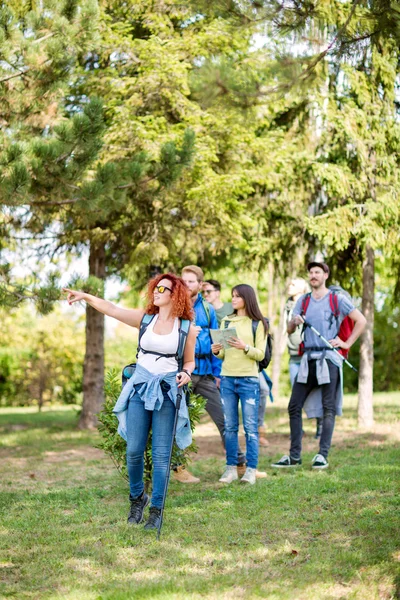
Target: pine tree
x=39, y=47
x=358, y=171
x=58, y=174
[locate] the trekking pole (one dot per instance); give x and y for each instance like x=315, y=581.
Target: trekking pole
x=321, y=337
x=177, y=407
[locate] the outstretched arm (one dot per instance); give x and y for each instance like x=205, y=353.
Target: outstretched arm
x=131, y=317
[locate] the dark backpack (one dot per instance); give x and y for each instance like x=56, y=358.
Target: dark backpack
x=346, y=326
x=263, y=364
x=184, y=326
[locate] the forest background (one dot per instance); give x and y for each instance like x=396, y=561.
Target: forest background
x=245, y=137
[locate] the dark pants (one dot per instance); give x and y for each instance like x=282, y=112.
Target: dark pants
x=204, y=385
x=299, y=395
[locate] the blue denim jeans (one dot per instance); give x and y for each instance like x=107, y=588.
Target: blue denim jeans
x=139, y=422
x=293, y=370
x=247, y=390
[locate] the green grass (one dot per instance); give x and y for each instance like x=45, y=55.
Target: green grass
x=302, y=535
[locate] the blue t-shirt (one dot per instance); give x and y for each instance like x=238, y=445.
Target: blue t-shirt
x=319, y=315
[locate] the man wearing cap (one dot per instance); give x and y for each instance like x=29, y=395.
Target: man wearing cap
x=319, y=367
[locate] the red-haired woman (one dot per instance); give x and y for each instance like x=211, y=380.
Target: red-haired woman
x=148, y=400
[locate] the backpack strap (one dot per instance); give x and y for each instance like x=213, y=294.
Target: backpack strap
x=144, y=323
x=334, y=304
x=206, y=308
x=184, y=326
x=254, y=325
x=305, y=304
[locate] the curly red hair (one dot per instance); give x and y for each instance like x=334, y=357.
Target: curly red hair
x=181, y=304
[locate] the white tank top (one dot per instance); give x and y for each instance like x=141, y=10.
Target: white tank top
x=164, y=344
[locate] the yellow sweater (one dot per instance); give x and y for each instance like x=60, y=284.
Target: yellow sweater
x=235, y=362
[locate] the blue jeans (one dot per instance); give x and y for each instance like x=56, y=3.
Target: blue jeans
x=247, y=389
x=139, y=422
x=293, y=370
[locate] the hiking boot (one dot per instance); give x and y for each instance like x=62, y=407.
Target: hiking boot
x=241, y=469
x=154, y=519
x=286, y=462
x=230, y=474
x=262, y=440
x=319, y=428
x=182, y=475
x=137, y=509
x=249, y=476
x=319, y=462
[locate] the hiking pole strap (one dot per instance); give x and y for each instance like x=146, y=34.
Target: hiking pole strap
x=177, y=407
x=321, y=337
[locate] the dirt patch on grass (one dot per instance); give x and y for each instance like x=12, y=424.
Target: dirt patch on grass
x=84, y=453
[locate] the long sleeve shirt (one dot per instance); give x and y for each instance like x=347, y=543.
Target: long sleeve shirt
x=206, y=362
x=235, y=362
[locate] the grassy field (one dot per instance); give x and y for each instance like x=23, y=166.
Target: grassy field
x=303, y=535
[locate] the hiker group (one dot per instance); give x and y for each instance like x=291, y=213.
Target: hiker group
x=187, y=334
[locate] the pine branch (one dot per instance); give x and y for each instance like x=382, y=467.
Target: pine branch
x=45, y=37
x=55, y=203
x=22, y=73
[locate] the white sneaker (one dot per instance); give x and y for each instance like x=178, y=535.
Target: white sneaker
x=319, y=462
x=229, y=475
x=249, y=476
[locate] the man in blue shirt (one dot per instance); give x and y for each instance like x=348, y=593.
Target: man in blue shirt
x=206, y=376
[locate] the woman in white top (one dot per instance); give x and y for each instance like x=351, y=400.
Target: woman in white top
x=150, y=404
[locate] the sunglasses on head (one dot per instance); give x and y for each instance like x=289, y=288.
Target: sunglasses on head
x=161, y=289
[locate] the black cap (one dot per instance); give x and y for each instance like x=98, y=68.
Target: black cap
x=321, y=265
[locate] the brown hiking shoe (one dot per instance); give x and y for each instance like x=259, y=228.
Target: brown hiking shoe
x=241, y=470
x=261, y=475
x=182, y=475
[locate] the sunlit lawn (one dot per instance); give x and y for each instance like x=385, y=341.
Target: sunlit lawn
x=302, y=535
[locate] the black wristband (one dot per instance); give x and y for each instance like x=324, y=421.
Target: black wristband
x=187, y=372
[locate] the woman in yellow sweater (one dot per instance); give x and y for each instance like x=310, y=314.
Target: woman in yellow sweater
x=239, y=379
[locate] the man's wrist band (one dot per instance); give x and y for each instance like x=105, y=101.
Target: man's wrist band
x=187, y=372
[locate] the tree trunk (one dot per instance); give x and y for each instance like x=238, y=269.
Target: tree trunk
x=279, y=345
x=365, y=382
x=276, y=304
x=93, y=367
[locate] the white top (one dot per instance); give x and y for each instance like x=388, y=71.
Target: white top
x=165, y=344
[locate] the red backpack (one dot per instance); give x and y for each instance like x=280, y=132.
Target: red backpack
x=346, y=326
